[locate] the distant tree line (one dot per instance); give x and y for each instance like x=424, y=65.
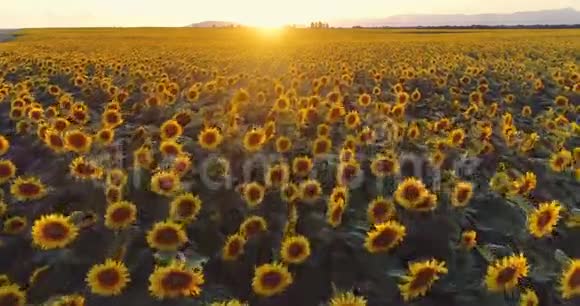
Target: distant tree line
x=319, y=25
x=537, y=26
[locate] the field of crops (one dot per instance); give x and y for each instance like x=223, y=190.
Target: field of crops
x=296, y=167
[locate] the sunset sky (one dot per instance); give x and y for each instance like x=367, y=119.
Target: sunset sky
x=86, y=13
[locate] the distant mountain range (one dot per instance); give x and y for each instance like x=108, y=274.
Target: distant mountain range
x=566, y=16
x=213, y=24
x=545, y=17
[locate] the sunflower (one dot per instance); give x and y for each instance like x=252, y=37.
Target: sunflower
x=81, y=168
x=253, y=194
x=461, y=194
x=234, y=247
x=570, y=280
x=15, y=225
x=105, y=136
x=505, y=273
x=120, y=215
x=421, y=276
x=4, y=145
x=468, y=239
x=366, y=136
x=229, y=303
x=347, y=155
x=364, y=100
x=289, y=192
x=170, y=148
x=271, y=279
x=277, y=175
x=111, y=119
x=525, y=184
x=301, y=166
x=113, y=194
x=165, y=183
x=253, y=226
x=210, y=138
x=542, y=220
x=410, y=193
x=254, y=139
x=347, y=172
x=143, y=157
x=347, y=299
x=12, y=295
x=70, y=300
x=283, y=144
x=166, y=236
x=175, y=280
x=183, y=118
x=77, y=141
x=53, y=231
x=310, y=191
x=529, y=298
x=181, y=164
x=335, y=112
x=384, y=165
x=413, y=132
x=295, y=249
x=116, y=177
x=185, y=207
x=560, y=161
x=7, y=170
x=27, y=188
x=170, y=129
x=339, y=193
x=526, y=111
x=321, y=145
x=385, y=236
x=456, y=137
x=282, y=104
x=380, y=210
x=109, y=278
x=323, y=130
x=334, y=213
x=352, y=120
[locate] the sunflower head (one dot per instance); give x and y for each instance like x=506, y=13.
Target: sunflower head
x=380, y=210
x=253, y=226
x=347, y=172
x=109, y=278
x=421, y=277
x=468, y=239
x=570, y=280
x=234, y=247
x=295, y=249
x=271, y=279
x=170, y=129
x=120, y=215
x=277, y=175
x=175, y=280
x=12, y=295
x=15, y=225
x=310, y=191
x=301, y=166
x=53, y=231
x=347, y=299
x=461, y=194
x=253, y=194
x=385, y=236
x=166, y=236
x=289, y=192
x=505, y=273
x=410, y=193
x=321, y=145
x=81, y=168
x=543, y=219
x=210, y=138
x=384, y=165
x=7, y=170
x=529, y=298
x=283, y=144
x=28, y=188
x=78, y=141
x=185, y=207
x=165, y=183
x=254, y=139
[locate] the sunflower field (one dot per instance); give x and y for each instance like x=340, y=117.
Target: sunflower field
x=297, y=167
